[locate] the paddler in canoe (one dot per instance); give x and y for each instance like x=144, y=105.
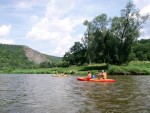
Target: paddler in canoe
x=60, y=75
x=92, y=78
x=65, y=74
x=103, y=75
x=89, y=76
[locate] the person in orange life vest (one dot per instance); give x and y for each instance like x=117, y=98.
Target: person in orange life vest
x=89, y=76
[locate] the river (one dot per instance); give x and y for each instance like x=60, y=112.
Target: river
x=42, y=93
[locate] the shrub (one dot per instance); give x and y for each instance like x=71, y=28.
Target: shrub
x=135, y=71
x=63, y=64
x=113, y=70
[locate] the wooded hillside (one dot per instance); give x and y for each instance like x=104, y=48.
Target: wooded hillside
x=18, y=56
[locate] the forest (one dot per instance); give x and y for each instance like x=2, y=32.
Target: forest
x=111, y=40
x=13, y=56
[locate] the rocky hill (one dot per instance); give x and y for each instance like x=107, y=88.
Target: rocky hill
x=23, y=56
x=35, y=56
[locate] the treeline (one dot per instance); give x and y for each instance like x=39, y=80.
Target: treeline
x=111, y=40
x=13, y=57
x=140, y=51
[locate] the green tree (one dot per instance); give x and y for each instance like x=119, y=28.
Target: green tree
x=111, y=40
x=142, y=49
x=76, y=55
x=95, y=38
x=127, y=29
x=68, y=57
x=88, y=40
x=139, y=55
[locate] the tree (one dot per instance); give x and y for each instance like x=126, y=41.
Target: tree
x=88, y=39
x=76, y=55
x=110, y=40
x=95, y=37
x=142, y=49
x=127, y=29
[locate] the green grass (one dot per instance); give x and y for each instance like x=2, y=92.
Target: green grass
x=133, y=68
x=76, y=70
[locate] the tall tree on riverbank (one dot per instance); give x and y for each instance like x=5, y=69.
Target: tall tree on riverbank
x=127, y=29
x=110, y=40
x=95, y=37
x=112, y=43
x=76, y=55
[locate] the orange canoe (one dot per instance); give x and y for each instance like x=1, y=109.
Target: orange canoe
x=95, y=79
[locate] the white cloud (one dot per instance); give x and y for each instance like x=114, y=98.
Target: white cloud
x=59, y=51
x=55, y=28
x=145, y=10
x=57, y=8
x=34, y=18
x=27, y=4
x=7, y=41
x=144, y=7
x=23, y=5
x=4, y=30
x=140, y=4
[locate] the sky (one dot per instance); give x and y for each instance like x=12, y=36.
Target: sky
x=52, y=26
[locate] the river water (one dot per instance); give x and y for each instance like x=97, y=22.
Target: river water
x=42, y=93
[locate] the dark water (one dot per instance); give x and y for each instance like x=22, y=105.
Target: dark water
x=47, y=94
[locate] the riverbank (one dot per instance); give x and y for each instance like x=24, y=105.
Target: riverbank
x=133, y=68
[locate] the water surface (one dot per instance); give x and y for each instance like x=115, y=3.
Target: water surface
x=41, y=93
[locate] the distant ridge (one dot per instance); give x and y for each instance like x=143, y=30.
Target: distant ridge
x=35, y=56
x=23, y=56
x=38, y=57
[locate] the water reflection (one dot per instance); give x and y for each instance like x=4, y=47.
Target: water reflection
x=47, y=94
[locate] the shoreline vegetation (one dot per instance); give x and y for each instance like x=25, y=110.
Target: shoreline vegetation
x=132, y=68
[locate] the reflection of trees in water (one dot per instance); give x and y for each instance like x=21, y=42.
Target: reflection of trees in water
x=129, y=93
x=95, y=94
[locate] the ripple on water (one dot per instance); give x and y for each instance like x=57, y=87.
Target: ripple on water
x=44, y=94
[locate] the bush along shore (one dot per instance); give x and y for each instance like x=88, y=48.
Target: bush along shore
x=133, y=68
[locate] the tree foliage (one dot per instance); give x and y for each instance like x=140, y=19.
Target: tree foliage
x=109, y=40
x=141, y=50
x=14, y=57
x=76, y=55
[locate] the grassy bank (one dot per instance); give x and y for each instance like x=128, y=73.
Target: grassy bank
x=76, y=70
x=133, y=68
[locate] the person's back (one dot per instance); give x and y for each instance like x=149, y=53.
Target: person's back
x=89, y=75
x=103, y=74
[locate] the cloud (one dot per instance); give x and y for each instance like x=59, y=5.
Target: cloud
x=27, y=4
x=34, y=18
x=144, y=7
x=145, y=10
x=57, y=8
x=7, y=41
x=55, y=28
x=4, y=30
x=24, y=5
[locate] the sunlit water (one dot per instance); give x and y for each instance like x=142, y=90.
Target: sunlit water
x=47, y=94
